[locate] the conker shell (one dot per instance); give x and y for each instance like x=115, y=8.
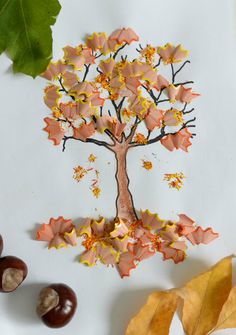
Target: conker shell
x=57, y=304
x=13, y=272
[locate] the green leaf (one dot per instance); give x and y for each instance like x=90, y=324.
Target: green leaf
x=25, y=33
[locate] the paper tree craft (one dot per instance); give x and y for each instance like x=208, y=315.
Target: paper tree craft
x=100, y=91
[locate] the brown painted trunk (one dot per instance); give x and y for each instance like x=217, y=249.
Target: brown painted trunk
x=124, y=201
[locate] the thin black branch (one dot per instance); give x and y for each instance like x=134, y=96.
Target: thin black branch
x=185, y=83
x=158, y=64
x=151, y=93
x=173, y=73
x=187, y=112
x=118, y=50
x=88, y=140
x=63, y=89
x=181, y=67
x=86, y=71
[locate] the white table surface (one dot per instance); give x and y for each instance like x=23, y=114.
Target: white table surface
x=36, y=177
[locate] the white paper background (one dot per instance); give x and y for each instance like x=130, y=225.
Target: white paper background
x=36, y=177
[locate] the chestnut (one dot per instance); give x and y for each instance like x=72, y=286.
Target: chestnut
x=56, y=305
x=1, y=245
x=13, y=272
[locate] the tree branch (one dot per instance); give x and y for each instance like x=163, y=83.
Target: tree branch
x=181, y=67
x=88, y=140
x=86, y=71
x=118, y=50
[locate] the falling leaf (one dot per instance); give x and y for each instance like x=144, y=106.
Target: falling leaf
x=79, y=173
x=175, y=180
x=25, y=33
x=208, y=303
x=92, y=158
x=147, y=165
x=96, y=192
x=156, y=315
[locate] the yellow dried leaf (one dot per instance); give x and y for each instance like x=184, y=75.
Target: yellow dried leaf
x=156, y=316
x=205, y=296
x=227, y=318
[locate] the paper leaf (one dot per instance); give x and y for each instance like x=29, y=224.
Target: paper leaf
x=25, y=33
x=227, y=318
x=204, y=297
x=156, y=316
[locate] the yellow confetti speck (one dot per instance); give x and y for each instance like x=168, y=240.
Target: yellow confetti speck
x=96, y=192
x=92, y=158
x=147, y=165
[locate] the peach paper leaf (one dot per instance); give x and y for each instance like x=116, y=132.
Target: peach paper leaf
x=204, y=297
x=54, y=130
x=156, y=315
x=200, y=235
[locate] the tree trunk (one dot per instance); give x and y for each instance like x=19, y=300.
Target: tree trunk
x=124, y=201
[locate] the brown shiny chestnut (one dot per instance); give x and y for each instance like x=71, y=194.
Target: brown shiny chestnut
x=1, y=245
x=56, y=306
x=13, y=272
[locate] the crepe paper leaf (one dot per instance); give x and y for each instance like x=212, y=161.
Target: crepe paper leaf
x=71, y=237
x=78, y=56
x=204, y=297
x=153, y=118
x=180, y=93
x=54, y=130
x=126, y=264
x=171, y=54
x=151, y=221
x=172, y=118
x=200, y=235
x=180, y=140
x=82, y=90
x=121, y=243
x=107, y=254
x=116, y=127
x=169, y=252
x=120, y=229
x=58, y=233
x=100, y=42
x=26, y=35
x=186, y=225
x=54, y=70
x=186, y=95
x=84, y=131
x=69, y=79
x=161, y=82
x=85, y=228
x=89, y=257
x=69, y=110
x=140, y=251
x=52, y=96
x=124, y=35
x=227, y=317
x=107, y=66
x=156, y=315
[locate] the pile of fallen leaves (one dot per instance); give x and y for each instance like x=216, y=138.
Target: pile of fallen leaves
x=123, y=244
x=208, y=304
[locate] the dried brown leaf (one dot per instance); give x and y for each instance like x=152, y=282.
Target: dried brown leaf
x=156, y=315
